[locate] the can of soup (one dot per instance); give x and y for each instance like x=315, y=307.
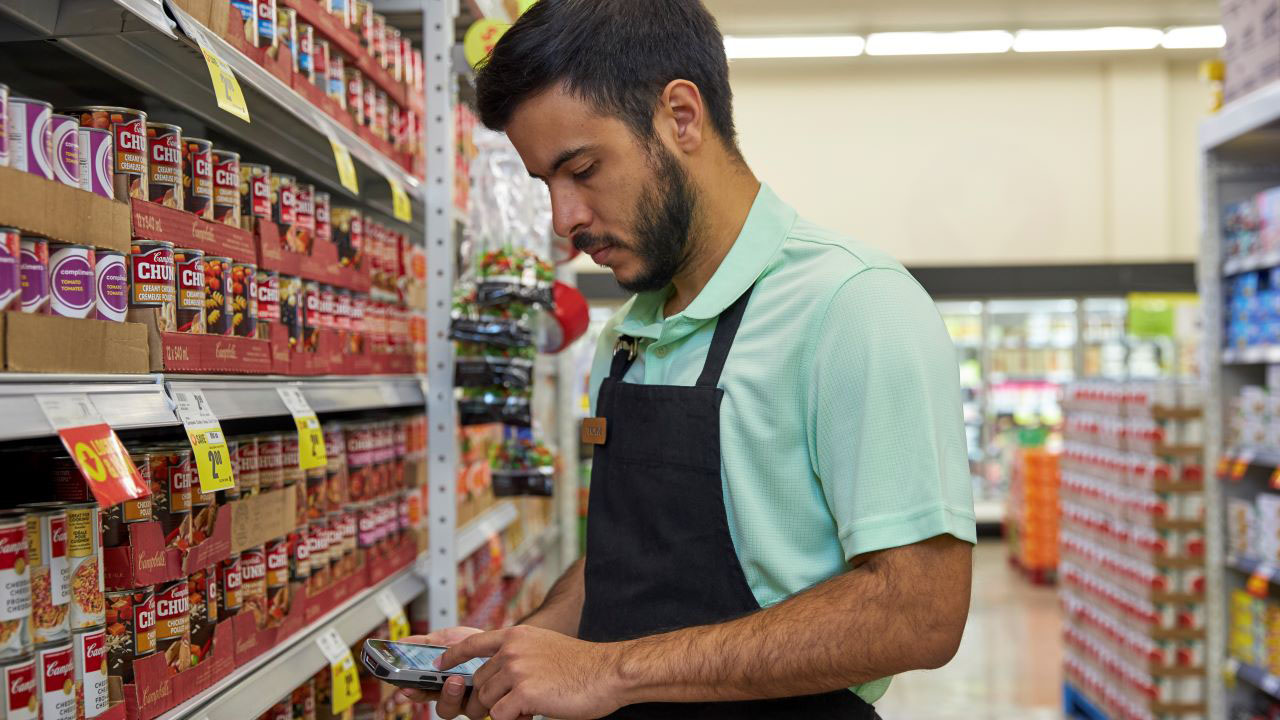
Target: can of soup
x=15, y=585
x=189, y=266
x=217, y=298
x=305, y=201
x=324, y=227
x=277, y=582
x=284, y=208
x=84, y=556
x=71, y=280
x=111, y=285
x=55, y=666
x=306, y=40
x=287, y=33
x=268, y=299
x=266, y=31
x=355, y=93
x=347, y=228
x=244, y=299
x=255, y=191
x=22, y=695
x=271, y=461
x=49, y=572
x=203, y=512
x=253, y=584
x=197, y=176
x=311, y=316
x=320, y=61
x=30, y=136
x=33, y=275
x=10, y=274
x=336, y=87
x=4, y=125
x=89, y=651
x=204, y=612
x=246, y=459
x=129, y=141
x=291, y=303
x=173, y=624
x=131, y=629
x=229, y=581
x=96, y=152
x=151, y=280
x=64, y=144
x=299, y=554
x=226, y=187
x=164, y=177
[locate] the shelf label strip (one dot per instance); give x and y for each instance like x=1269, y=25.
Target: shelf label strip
x=311, y=451
x=208, y=444
x=346, y=681
x=94, y=447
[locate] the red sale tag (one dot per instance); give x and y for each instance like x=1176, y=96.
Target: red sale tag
x=105, y=463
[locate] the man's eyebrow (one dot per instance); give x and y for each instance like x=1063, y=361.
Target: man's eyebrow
x=563, y=158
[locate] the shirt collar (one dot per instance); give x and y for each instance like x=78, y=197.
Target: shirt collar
x=767, y=225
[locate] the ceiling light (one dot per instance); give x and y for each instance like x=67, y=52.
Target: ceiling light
x=939, y=43
x=1202, y=36
x=1096, y=39
x=799, y=46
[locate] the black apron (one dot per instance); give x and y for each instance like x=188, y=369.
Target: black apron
x=659, y=553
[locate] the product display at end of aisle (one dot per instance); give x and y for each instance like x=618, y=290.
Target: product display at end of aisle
x=1031, y=524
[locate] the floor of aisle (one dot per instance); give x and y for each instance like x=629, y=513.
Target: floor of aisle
x=1010, y=661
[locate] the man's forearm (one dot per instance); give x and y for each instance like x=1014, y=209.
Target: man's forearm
x=876, y=620
x=561, y=611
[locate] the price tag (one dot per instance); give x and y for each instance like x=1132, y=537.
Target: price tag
x=1260, y=581
x=96, y=449
x=310, y=437
x=401, y=208
x=346, y=168
x=395, y=614
x=208, y=444
x=1241, y=466
x=1275, y=479
x=225, y=86
x=346, y=681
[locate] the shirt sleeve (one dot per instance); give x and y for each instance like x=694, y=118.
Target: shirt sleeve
x=887, y=428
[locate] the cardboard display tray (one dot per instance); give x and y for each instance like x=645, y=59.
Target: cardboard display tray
x=51, y=344
x=157, y=222
x=59, y=212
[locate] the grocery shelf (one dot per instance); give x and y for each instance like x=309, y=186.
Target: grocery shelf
x=1252, y=565
x=1245, y=126
x=1255, y=676
x=254, y=687
x=472, y=536
x=521, y=560
x=1255, y=355
x=1255, y=455
x=1236, y=265
x=239, y=398
x=126, y=402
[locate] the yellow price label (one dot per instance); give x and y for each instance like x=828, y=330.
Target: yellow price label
x=346, y=168
x=225, y=86
x=213, y=459
x=310, y=442
x=346, y=681
x=401, y=208
x=396, y=621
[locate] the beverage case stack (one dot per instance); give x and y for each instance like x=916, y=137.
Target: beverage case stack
x=1032, y=518
x=1132, y=545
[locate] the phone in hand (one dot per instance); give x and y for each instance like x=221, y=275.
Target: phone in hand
x=413, y=666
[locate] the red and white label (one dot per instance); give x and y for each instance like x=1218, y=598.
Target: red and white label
x=57, y=684
x=91, y=670
x=15, y=576
x=260, y=196
x=59, y=569
x=173, y=607
x=277, y=554
x=253, y=565
x=268, y=297
x=22, y=702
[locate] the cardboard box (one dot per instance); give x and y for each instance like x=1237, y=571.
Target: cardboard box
x=265, y=516
x=47, y=207
x=199, y=10
x=186, y=352
x=157, y=222
x=47, y=343
x=144, y=561
x=155, y=691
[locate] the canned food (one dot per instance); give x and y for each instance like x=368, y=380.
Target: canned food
x=173, y=624
x=255, y=191
x=10, y=275
x=189, y=265
x=317, y=539
x=299, y=554
x=71, y=280
x=311, y=316
x=320, y=60
x=226, y=187
x=244, y=299
x=253, y=584
x=89, y=653
x=342, y=310
x=15, y=585
x=164, y=146
x=56, y=666
x=291, y=471
x=33, y=275
x=129, y=140
x=391, y=50
x=84, y=554
x=266, y=11
x=268, y=282
x=96, y=150
x=291, y=304
x=246, y=458
x=64, y=153
x=306, y=63
x=333, y=541
x=197, y=176
x=287, y=33
x=317, y=498
x=303, y=701
x=271, y=461
x=336, y=87
x=204, y=612
x=131, y=629
x=355, y=93
x=328, y=307
x=370, y=102
x=378, y=39
x=280, y=711
x=4, y=125
x=305, y=203
x=380, y=113
x=111, y=285
x=277, y=581
x=151, y=271
x=49, y=572
x=348, y=234
x=171, y=478
x=203, y=512
x=217, y=300
x=323, y=224
x=22, y=695
x=30, y=136
x=348, y=520
x=229, y=580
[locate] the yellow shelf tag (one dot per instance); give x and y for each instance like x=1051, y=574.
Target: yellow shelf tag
x=346, y=681
x=396, y=620
x=225, y=86
x=346, y=168
x=400, y=205
x=208, y=444
x=311, y=451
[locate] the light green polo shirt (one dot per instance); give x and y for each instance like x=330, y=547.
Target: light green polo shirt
x=841, y=426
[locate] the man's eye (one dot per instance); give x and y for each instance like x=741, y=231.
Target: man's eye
x=585, y=172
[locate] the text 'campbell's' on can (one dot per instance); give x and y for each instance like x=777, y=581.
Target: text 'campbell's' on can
x=197, y=176
x=151, y=279
x=226, y=187
x=255, y=192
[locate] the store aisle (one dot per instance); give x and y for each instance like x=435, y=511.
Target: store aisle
x=1010, y=662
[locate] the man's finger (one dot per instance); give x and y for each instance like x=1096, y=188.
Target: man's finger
x=417, y=696
x=506, y=709
x=449, y=704
x=481, y=645
x=493, y=689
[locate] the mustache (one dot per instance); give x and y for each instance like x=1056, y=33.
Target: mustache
x=587, y=242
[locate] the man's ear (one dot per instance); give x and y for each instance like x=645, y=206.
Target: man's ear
x=682, y=115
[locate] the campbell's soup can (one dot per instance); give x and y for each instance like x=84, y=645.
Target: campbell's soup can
x=381, y=111
x=370, y=102
x=284, y=209
x=129, y=139
x=245, y=465
x=266, y=11
x=226, y=187
x=30, y=136
x=271, y=461
x=171, y=493
x=317, y=497
x=320, y=61
x=268, y=296
x=97, y=150
x=111, y=285
x=253, y=584
x=291, y=469
x=33, y=275
x=291, y=307
x=71, y=280
x=355, y=93
x=303, y=701
x=164, y=149
x=197, y=176
x=299, y=554
x=255, y=191
x=305, y=200
x=64, y=144
x=217, y=297
x=55, y=665
x=151, y=280
x=342, y=309
x=204, y=512
x=347, y=228
x=311, y=321
x=89, y=651
x=277, y=580
x=49, y=571
x=306, y=57
x=244, y=299
x=4, y=125
x=317, y=544
x=204, y=612
x=190, y=308
x=22, y=694
x=173, y=624
x=10, y=273
x=282, y=710
x=287, y=33
x=323, y=222
x=131, y=629
x=336, y=81
x=229, y=581
x=84, y=556
x=15, y=585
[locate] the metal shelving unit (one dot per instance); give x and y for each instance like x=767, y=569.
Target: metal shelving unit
x=126, y=402
x=234, y=398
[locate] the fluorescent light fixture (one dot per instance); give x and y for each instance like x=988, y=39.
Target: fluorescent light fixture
x=794, y=46
x=1095, y=39
x=939, y=43
x=1202, y=36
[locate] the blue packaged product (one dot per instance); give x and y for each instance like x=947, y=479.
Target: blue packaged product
x=266, y=23
x=1247, y=284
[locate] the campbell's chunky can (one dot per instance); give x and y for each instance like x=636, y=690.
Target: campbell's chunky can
x=226, y=187
x=311, y=314
x=306, y=214
x=306, y=58
x=253, y=584
x=299, y=554
x=320, y=61
x=284, y=209
x=151, y=279
x=229, y=582
x=84, y=556
x=204, y=612
x=324, y=228
x=71, y=280
x=336, y=81
x=129, y=138
x=197, y=176
x=355, y=93
x=64, y=149
x=173, y=624
x=172, y=474
x=268, y=300
x=89, y=651
x=277, y=583
x=217, y=298
x=164, y=150
x=342, y=309
x=15, y=585
x=287, y=33
x=97, y=150
x=244, y=462
x=10, y=273
x=33, y=275
x=50, y=574
x=266, y=31
x=55, y=668
x=131, y=629
x=189, y=267
x=347, y=228
x=291, y=308
x=255, y=191
x=204, y=512
x=244, y=299
x=30, y=136
x=22, y=693
x=111, y=285
x=271, y=461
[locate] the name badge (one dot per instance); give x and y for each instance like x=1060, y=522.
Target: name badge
x=594, y=431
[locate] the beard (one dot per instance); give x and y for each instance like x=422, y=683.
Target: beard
x=663, y=228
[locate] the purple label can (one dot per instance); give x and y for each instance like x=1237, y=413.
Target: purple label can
x=66, y=149
x=33, y=274
x=10, y=249
x=96, y=172
x=4, y=125
x=71, y=280
x=111, y=285
x=30, y=137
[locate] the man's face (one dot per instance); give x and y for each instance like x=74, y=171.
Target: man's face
x=627, y=203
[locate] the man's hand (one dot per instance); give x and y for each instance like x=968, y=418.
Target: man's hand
x=449, y=700
x=532, y=671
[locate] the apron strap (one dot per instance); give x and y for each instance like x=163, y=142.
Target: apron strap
x=624, y=355
x=722, y=340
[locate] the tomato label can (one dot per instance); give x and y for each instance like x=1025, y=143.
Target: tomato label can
x=230, y=581
x=255, y=191
x=56, y=667
x=96, y=151
x=84, y=556
x=10, y=273
x=129, y=140
x=71, y=280
x=33, y=274
x=164, y=163
x=253, y=584
x=226, y=187
x=64, y=153
x=131, y=629
x=217, y=299
x=197, y=176
x=244, y=299
x=324, y=228
x=30, y=136
x=15, y=585
x=173, y=624
x=111, y=285
x=22, y=697
x=189, y=266
x=89, y=651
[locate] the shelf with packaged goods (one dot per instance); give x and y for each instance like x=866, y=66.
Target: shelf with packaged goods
x=472, y=536
x=1256, y=355
x=1246, y=126
x=1237, y=265
x=126, y=402
x=240, y=398
x=523, y=559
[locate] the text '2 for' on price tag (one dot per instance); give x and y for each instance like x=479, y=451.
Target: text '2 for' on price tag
x=401, y=208
x=310, y=437
x=95, y=448
x=225, y=86
x=346, y=681
x=208, y=444
x=394, y=611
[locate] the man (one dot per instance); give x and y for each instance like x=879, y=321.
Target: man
x=780, y=515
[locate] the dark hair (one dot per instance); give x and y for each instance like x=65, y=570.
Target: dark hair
x=617, y=55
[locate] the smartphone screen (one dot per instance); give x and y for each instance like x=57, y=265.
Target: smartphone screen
x=423, y=657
